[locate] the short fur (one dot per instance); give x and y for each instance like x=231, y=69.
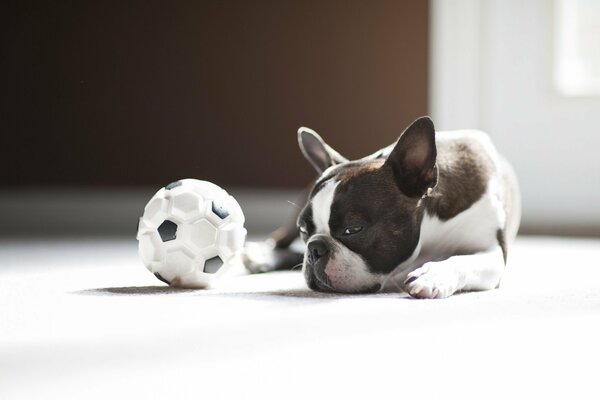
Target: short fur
x=406, y=216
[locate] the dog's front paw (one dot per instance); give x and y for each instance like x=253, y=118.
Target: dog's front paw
x=265, y=257
x=429, y=282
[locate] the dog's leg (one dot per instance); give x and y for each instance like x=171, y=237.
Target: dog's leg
x=435, y=280
x=276, y=253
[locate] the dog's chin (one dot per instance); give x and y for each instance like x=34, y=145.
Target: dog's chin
x=318, y=285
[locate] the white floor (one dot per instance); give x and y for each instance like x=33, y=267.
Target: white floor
x=84, y=319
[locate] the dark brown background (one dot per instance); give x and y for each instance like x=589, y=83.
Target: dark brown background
x=137, y=93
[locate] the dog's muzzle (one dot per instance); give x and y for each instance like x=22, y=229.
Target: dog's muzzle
x=318, y=253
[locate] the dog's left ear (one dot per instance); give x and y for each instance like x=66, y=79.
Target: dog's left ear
x=413, y=159
x=316, y=151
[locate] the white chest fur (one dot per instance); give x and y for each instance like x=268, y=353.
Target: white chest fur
x=473, y=230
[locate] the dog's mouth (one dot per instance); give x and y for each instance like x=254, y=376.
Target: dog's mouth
x=313, y=282
x=322, y=284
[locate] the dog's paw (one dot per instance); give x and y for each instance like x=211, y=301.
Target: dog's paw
x=265, y=257
x=258, y=257
x=429, y=282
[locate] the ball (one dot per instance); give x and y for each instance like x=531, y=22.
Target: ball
x=191, y=232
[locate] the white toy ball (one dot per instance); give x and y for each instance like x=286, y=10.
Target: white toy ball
x=191, y=232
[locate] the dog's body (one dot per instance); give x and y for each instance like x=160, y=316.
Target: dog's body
x=432, y=214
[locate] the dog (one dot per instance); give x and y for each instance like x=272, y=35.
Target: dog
x=431, y=215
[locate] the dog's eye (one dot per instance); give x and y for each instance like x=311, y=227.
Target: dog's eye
x=303, y=232
x=351, y=230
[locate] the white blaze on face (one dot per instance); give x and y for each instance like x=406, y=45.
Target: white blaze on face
x=346, y=270
x=321, y=207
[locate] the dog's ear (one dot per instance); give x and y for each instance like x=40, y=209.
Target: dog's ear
x=316, y=151
x=413, y=159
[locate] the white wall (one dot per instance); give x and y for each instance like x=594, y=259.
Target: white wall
x=492, y=69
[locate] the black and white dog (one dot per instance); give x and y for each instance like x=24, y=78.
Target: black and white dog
x=432, y=214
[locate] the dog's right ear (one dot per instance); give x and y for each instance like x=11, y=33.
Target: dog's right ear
x=316, y=151
x=413, y=159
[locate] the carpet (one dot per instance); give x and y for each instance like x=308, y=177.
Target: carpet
x=83, y=319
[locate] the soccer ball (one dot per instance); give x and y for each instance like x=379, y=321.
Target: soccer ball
x=191, y=232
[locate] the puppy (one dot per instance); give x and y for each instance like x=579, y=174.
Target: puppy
x=431, y=215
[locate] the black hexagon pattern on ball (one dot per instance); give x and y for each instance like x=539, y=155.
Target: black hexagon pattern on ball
x=212, y=265
x=167, y=230
x=173, y=185
x=219, y=210
x=160, y=278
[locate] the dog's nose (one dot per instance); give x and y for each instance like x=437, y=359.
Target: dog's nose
x=316, y=250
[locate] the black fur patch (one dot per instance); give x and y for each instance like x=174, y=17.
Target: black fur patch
x=464, y=168
x=369, y=197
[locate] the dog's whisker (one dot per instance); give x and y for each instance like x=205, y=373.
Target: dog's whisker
x=294, y=204
x=296, y=266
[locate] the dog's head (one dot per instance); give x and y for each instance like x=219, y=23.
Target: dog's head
x=362, y=217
